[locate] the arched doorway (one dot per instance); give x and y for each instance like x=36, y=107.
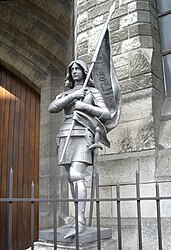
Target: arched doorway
x=19, y=149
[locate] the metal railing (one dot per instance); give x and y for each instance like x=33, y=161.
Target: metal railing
x=118, y=200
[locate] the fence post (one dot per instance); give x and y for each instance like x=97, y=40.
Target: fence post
x=10, y=210
x=54, y=213
x=139, y=209
x=76, y=216
x=98, y=213
x=32, y=215
x=158, y=216
x=119, y=217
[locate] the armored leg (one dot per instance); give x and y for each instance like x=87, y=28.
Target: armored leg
x=76, y=175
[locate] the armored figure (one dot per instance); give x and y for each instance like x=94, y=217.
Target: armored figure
x=87, y=107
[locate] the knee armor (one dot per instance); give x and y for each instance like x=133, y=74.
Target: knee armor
x=74, y=175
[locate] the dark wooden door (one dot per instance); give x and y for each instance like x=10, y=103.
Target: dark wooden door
x=19, y=149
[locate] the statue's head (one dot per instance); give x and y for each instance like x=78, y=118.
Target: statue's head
x=69, y=82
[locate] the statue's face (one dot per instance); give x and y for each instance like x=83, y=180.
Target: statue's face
x=76, y=72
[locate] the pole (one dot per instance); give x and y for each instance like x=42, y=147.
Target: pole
x=89, y=72
x=94, y=148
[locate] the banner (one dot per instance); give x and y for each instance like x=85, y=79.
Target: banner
x=105, y=79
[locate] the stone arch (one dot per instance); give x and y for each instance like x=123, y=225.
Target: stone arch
x=34, y=35
x=35, y=41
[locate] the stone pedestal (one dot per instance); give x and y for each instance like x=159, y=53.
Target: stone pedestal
x=109, y=244
x=87, y=239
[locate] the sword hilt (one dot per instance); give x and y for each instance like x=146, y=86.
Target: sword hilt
x=96, y=140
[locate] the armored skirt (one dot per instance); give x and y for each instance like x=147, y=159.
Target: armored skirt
x=78, y=146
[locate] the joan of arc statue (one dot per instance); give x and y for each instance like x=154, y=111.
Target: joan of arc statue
x=88, y=108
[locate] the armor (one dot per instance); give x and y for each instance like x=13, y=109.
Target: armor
x=89, y=111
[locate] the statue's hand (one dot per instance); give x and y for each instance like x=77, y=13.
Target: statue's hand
x=79, y=106
x=79, y=94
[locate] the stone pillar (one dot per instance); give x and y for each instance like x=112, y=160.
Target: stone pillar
x=49, y=170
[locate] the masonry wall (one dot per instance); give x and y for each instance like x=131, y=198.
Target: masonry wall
x=136, y=142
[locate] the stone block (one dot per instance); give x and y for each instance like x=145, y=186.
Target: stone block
x=165, y=191
x=146, y=42
x=53, y=147
x=86, y=5
x=122, y=169
x=122, y=2
x=122, y=72
x=45, y=132
x=125, y=21
x=44, y=149
x=165, y=135
x=82, y=17
x=99, y=9
x=132, y=6
x=82, y=48
x=137, y=83
x=27, y=70
x=163, y=171
x=143, y=5
x=128, y=208
x=44, y=116
x=148, y=207
x=154, y=21
x=144, y=16
x=130, y=44
x=121, y=11
x=119, y=35
x=105, y=206
x=16, y=20
x=45, y=164
x=158, y=83
x=131, y=137
x=166, y=110
x=140, y=29
x=156, y=65
x=25, y=26
x=82, y=37
x=116, y=48
x=82, y=27
x=140, y=61
x=121, y=60
x=142, y=100
x=114, y=24
x=35, y=75
x=44, y=185
x=97, y=21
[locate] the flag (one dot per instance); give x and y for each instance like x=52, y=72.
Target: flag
x=105, y=79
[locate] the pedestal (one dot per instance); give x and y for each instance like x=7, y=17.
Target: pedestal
x=87, y=239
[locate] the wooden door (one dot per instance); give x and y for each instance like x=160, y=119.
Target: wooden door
x=19, y=149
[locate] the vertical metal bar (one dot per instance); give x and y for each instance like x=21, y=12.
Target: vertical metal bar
x=98, y=213
x=119, y=217
x=76, y=217
x=139, y=209
x=10, y=211
x=54, y=213
x=32, y=215
x=158, y=216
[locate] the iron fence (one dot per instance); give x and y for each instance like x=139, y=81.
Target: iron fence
x=118, y=200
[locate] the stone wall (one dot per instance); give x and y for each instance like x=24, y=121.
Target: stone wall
x=137, y=141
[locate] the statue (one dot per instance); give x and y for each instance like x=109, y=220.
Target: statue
x=88, y=103
x=92, y=106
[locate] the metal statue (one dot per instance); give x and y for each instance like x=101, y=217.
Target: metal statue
x=92, y=109
x=89, y=111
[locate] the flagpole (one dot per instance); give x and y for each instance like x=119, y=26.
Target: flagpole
x=103, y=31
